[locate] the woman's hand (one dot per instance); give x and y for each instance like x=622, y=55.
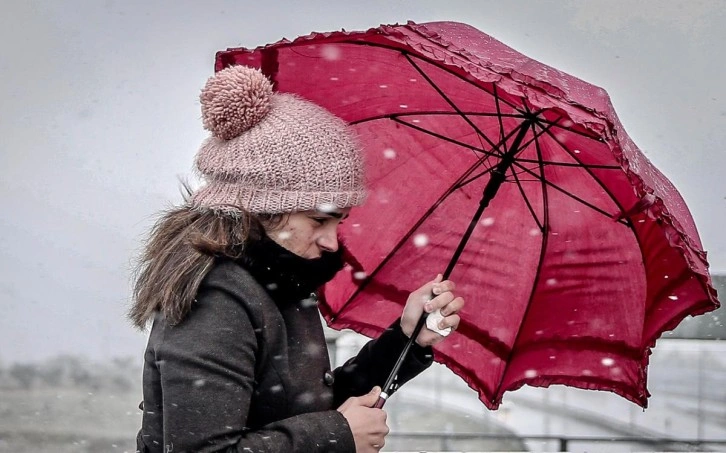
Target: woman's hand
x=432, y=296
x=367, y=423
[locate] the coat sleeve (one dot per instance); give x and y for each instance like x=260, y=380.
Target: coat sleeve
x=375, y=361
x=206, y=366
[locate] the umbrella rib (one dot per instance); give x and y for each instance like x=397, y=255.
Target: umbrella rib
x=502, y=143
x=526, y=200
x=599, y=182
x=448, y=100
x=499, y=117
x=569, y=129
x=405, y=238
x=431, y=61
x=443, y=137
x=571, y=195
x=535, y=280
x=570, y=164
x=433, y=113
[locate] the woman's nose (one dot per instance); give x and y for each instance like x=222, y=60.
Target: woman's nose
x=329, y=240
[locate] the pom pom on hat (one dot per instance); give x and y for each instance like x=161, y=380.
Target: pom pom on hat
x=234, y=100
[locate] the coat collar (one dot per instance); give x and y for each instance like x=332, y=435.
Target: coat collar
x=285, y=275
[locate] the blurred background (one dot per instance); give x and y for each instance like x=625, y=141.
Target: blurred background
x=100, y=117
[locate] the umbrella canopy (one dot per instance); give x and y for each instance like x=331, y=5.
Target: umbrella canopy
x=573, y=252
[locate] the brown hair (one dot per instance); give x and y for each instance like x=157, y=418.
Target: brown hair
x=181, y=249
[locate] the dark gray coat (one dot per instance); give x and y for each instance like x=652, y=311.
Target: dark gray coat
x=244, y=373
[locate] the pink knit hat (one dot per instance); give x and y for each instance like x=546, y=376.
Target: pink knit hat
x=272, y=152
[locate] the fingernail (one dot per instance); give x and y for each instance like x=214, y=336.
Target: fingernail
x=428, y=307
x=436, y=290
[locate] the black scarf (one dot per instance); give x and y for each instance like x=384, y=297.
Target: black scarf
x=286, y=276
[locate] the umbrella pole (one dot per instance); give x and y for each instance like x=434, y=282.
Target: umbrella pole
x=498, y=174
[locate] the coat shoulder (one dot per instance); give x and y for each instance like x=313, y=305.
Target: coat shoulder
x=233, y=279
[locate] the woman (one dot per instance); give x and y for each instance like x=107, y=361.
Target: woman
x=236, y=358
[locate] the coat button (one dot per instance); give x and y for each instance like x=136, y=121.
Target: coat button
x=328, y=378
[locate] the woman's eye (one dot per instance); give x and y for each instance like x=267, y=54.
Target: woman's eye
x=320, y=220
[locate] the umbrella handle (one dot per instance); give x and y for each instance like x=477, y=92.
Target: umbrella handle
x=388, y=387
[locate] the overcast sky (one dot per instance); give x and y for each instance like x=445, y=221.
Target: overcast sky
x=100, y=115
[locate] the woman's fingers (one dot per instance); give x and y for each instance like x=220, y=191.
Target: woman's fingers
x=450, y=321
x=453, y=307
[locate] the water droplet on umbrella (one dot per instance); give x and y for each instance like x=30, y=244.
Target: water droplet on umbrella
x=665, y=276
x=382, y=86
x=577, y=151
x=334, y=79
x=551, y=281
x=389, y=153
x=416, y=121
x=607, y=361
x=552, y=357
x=330, y=52
x=412, y=80
x=539, y=332
x=360, y=275
x=403, y=106
x=530, y=374
x=488, y=221
x=673, y=297
x=420, y=240
x=356, y=225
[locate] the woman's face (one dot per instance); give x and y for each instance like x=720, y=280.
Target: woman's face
x=309, y=233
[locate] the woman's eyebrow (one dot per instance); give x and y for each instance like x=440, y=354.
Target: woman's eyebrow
x=337, y=215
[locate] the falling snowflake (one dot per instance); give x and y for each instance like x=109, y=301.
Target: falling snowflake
x=327, y=207
x=309, y=302
x=360, y=275
x=673, y=297
x=607, y=361
x=530, y=374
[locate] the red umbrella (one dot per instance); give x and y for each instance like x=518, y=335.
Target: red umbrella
x=573, y=252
